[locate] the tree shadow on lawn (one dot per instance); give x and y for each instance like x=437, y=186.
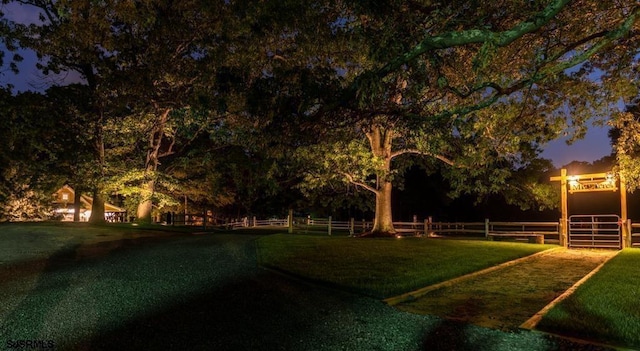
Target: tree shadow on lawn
x=31, y=313
x=71, y=252
x=270, y=312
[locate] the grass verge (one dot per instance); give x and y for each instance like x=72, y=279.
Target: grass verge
x=384, y=267
x=605, y=308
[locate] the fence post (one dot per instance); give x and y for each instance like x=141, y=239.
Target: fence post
x=563, y=240
x=629, y=237
x=204, y=220
x=329, y=225
x=426, y=226
x=486, y=227
x=290, y=221
x=352, y=225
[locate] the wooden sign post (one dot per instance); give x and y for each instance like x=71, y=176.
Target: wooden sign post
x=583, y=183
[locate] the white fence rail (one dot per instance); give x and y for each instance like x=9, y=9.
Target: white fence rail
x=550, y=230
x=253, y=222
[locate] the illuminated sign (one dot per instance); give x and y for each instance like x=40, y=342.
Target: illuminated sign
x=592, y=182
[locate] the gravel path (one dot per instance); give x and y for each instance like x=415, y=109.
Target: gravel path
x=507, y=297
x=207, y=293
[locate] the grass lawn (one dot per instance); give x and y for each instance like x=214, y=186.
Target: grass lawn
x=29, y=241
x=384, y=267
x=109, y=286
x=606, y=307
x=70, y=283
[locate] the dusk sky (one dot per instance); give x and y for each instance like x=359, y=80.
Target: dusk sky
x=594, y=146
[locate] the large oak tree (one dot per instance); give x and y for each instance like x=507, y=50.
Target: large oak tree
x=476, y=86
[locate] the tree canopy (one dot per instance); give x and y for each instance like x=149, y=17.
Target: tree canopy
x=334, y=91
x=477, y=87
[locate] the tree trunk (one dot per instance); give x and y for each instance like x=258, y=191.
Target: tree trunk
x=383, y=222
x=380, y=140
x=76, y=205
x=146, y=203
x=97, y=208
x=154, y=153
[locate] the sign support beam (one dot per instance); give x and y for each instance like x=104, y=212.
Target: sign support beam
x=589, y=183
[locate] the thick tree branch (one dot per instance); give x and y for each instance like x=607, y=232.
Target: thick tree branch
x=360, y=184
x=474, y=36
x=606, y=39
x=418, y=152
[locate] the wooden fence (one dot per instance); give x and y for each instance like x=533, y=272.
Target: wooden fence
x=191, y=219
x=548, y=230
x=253, y=222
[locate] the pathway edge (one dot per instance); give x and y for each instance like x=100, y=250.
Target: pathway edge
x=535, y=319
x=392, y=301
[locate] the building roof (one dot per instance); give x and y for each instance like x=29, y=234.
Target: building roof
x=65, y=197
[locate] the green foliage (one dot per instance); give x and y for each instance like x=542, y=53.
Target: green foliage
x=25, y=204
x=478, y=86
x=343, y=161
x=132, y=184
x=626, y=142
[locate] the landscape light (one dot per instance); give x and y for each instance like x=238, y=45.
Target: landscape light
x=610, y=178
x=573, y=181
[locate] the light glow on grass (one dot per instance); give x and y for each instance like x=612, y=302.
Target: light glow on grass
x=383, y=267
x=604, y=308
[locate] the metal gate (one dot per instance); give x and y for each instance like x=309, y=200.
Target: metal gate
x=595, y=231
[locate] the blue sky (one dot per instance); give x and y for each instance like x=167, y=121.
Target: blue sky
x=594, y=146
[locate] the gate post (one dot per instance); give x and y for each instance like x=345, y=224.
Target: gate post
x=627, y=240
x=563, y=232
x=564, y=221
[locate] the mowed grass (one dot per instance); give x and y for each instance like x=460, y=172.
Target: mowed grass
x=384, y=267
x=75, y=283
x=606, y=307
x=28, y=241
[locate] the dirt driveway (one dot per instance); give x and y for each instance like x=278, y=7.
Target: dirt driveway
x=507, y=297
